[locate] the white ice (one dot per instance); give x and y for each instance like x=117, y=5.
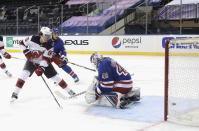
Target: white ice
x=36, y=110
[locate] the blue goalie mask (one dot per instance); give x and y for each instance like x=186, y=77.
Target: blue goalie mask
x=95, y=59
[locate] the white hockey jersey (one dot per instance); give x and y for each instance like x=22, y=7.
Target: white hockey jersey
x=42, y=52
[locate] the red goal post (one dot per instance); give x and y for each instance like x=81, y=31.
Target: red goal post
x=181, y=103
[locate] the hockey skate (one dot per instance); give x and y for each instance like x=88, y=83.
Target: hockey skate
x=71, y=93
x=76, y=80
x=8, y=74
x=14, y=97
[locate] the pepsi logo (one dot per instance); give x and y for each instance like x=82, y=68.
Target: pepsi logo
x=116, y=42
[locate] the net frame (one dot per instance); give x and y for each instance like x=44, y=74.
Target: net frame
x=181, y=41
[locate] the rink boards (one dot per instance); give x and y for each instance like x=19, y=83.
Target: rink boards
x=115, y=45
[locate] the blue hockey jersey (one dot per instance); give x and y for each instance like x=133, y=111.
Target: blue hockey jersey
x=113, y=77
x=58, y=46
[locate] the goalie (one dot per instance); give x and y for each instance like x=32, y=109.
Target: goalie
x=113, y=83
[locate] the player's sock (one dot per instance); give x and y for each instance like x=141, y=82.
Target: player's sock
x=63, y=84
x=18, y=87
x=68, y=70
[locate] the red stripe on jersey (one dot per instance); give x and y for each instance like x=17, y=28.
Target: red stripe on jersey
x=124, y=82
x=109, y=84
x=122, y=90
x=1, y=47
x=72, y=73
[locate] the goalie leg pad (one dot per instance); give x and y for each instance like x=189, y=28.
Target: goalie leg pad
x=113, y=99
x=129, y=98
x=134, y=95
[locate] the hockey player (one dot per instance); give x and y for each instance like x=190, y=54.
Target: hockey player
x=38, y=52
x=6, y=55
x=60, y=57
x=112, y=82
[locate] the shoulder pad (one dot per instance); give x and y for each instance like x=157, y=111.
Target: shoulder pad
x=47, y=45
x=35, y=38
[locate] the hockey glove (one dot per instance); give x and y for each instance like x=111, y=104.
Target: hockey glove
x=6, y=55
x=39, y=71
x=28, y=54
x=64, y=59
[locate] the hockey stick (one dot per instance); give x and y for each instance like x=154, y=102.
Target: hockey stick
x=49, y=89
x=52, y=93
x=58, y=93
x=82, y=66
x=17, y=58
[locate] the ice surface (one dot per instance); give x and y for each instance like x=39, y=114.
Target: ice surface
x=36, y=110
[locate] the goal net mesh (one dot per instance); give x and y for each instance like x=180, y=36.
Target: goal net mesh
x=183, y=81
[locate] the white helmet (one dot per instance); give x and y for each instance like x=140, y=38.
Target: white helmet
x=46, y=33
x=95, y=59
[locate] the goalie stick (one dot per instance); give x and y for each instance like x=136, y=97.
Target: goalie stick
x=58, y=93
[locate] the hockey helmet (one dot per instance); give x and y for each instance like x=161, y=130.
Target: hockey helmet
x=45, y=33
x=55, y=31
x=95, y=59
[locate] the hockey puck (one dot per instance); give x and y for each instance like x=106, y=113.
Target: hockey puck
x=173, y=103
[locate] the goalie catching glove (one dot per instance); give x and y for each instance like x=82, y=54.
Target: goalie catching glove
x=39, y=71
x=93, y=92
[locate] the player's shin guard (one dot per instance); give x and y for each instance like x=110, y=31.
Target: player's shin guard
x=19, y=85
x=63, y=84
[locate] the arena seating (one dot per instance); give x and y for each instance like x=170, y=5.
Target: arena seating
x=98, y=23
x=75, y=19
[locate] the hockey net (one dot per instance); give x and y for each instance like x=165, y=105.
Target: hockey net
x=182, y=81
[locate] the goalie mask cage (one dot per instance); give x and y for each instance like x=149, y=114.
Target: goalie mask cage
x=182, y=81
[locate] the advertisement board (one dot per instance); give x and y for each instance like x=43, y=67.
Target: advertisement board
x=124, y=44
